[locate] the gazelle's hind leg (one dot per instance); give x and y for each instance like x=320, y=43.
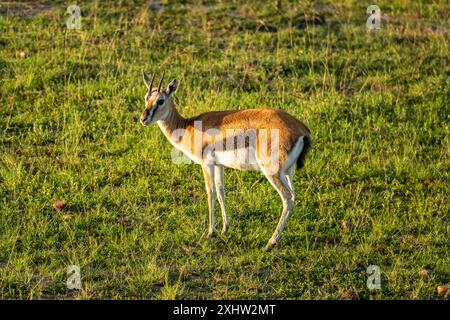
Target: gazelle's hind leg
x=218, y=178
x=289, y=177
x=280, y=183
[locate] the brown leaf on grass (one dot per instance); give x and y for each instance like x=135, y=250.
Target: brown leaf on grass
x=23, y=54
x=443, y=289
x=423, y=273
x=349, y=295
x=59, y=205
x=347, y=225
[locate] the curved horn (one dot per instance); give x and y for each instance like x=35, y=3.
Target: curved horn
x=160, y=82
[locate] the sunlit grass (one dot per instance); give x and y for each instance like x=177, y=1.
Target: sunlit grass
x=376, y=103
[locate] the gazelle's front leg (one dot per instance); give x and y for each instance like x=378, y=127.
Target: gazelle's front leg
x=218, y=178
x=208, y=172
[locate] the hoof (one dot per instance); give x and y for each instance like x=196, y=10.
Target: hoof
x=224, y=229
x=269, y=246
x=210, y=235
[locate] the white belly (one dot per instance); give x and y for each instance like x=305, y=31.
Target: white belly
x=243, y=159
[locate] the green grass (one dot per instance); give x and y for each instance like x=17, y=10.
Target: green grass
x=377, y=104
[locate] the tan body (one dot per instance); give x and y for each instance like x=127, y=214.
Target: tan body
x=270, y=141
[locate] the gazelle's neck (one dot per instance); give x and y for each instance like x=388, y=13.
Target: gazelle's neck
x=172, y=122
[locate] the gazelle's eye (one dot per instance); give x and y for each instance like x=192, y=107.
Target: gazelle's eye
x=160, y=102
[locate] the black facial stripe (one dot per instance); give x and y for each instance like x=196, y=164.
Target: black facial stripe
x=152, y=111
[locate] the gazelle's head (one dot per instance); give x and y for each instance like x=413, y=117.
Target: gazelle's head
x=158, y=103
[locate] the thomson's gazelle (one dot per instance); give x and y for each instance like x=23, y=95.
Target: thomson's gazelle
x=240, y=139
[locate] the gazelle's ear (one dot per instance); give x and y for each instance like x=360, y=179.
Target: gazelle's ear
x=147, y=79
x=172, y=86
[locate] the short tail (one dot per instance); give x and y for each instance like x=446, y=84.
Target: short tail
x=306, y=146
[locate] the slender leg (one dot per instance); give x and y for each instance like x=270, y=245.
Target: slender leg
x=289, y=178
x=218, y=178
x=208, y=172
x=280, y=183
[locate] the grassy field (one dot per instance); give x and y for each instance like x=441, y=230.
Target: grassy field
x=374, y=190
